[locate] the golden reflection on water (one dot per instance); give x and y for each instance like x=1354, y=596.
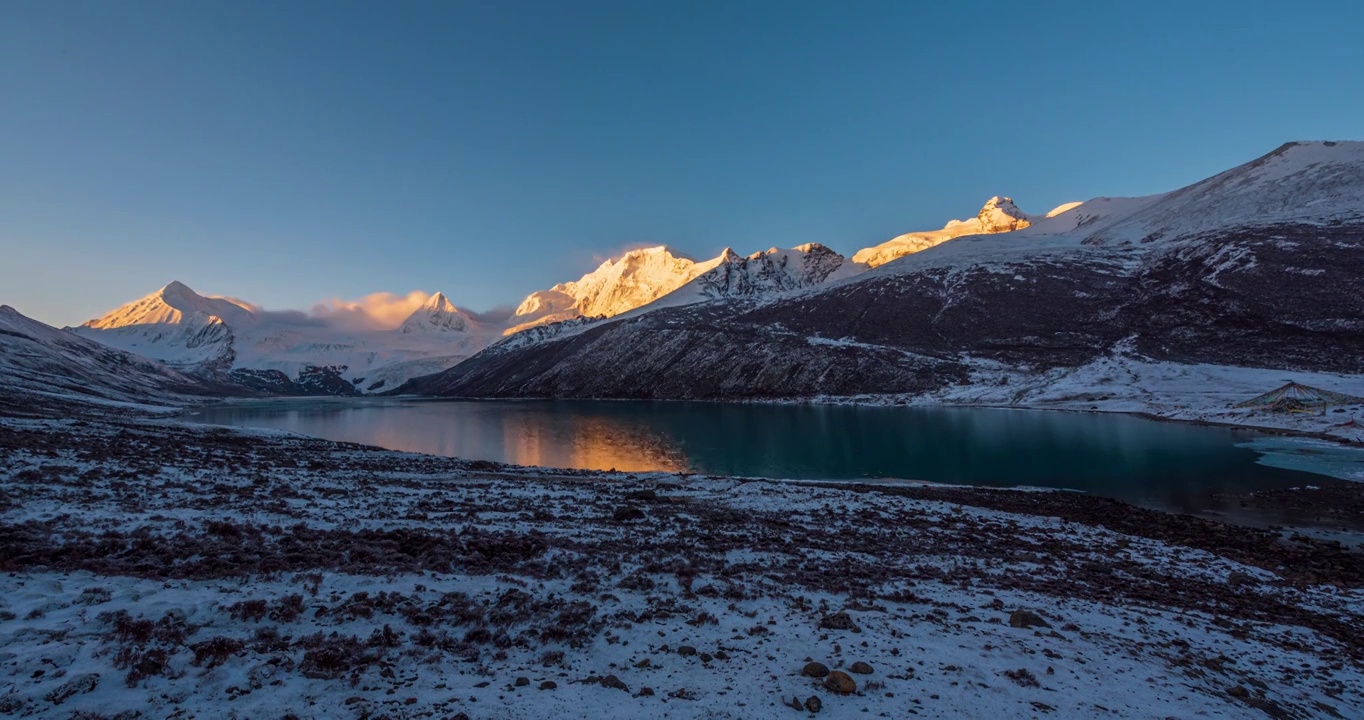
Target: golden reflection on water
x=520, y=435
x=592, y=443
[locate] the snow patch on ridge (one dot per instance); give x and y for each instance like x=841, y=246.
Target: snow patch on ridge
x=999, y=215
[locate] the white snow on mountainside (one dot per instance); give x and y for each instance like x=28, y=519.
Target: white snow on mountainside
x=637, y=278
x=440, y=316
x=761, y=274
x=175, y=325
x=40, y=360
x=728, y=275
x=999, y=215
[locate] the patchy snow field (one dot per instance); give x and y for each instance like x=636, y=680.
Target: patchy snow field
x=180, y=571
x=1126, y=383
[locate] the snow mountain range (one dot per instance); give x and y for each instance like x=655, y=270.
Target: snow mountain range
x=286, y=352
x=292, y=353
x=1254, y=267
x=1258, y=266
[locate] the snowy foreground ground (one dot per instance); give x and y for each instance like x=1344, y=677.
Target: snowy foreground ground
x=153, y=569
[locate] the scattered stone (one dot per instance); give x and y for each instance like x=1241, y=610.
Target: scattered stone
x=611, y=681
x=813, y=704
x=354, y=699
x=1238, y=692
x=686, y=651
x=646, y=692
x=77, y=685
x=721, y=655
x=548, y=685
x=815, y=670
x=706, y=657
x=794, y=703
x=860, y=668
x=839, y=621
x=522, y=682
x=1022, y=677
x=840, y=682
x=1027, y=619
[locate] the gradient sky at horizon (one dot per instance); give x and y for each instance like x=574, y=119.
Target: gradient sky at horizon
x=286, y=153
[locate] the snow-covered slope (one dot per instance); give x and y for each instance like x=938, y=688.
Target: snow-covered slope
x=637, y=278
x=999, y=215
x=773, y=271
x=439, y=316
x=40, y=361
x=175, y=325
x=728, y=275
x=762, y=274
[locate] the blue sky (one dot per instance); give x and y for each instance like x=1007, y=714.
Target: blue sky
x=290, y=152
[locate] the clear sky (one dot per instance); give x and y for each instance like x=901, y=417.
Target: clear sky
x=289, y=152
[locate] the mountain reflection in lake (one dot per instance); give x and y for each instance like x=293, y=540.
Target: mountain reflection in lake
x=1171, y=465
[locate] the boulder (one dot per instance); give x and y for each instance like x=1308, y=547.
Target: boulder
x=840, y=682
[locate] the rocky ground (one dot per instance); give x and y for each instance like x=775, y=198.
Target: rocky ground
x=154, y=569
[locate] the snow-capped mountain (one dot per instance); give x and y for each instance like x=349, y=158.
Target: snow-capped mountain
x=440, y=316
x=774, y=271
x=999, y=215
x=728, y=275
x=761, y=274
x=288, y=352
x=633, y=280
x=175, y=325
x=1258, y=266
x=40, y=361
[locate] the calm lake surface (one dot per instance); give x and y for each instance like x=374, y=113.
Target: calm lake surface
x=1173, y=466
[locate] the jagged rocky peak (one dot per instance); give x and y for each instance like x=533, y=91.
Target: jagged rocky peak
x=772, y=271
x=1000, y=214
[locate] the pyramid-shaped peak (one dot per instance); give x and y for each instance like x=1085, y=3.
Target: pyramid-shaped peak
x=436, y=314
x=176, y=290
x=439, y=303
